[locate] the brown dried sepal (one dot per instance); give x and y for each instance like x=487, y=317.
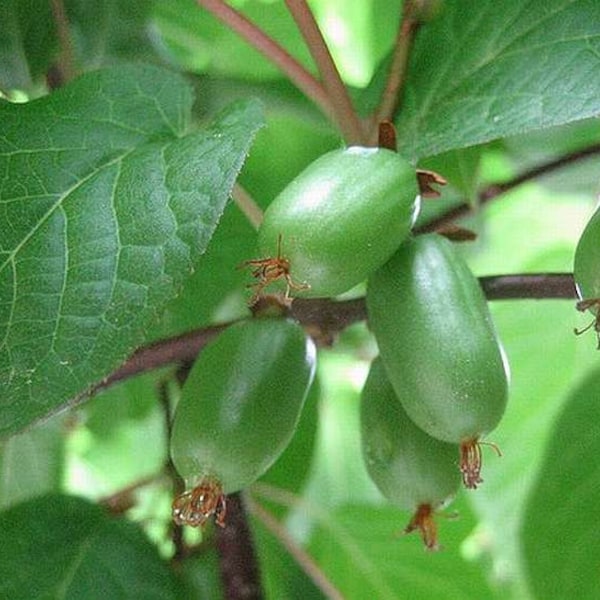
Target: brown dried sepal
x=426, y=179
x=423, y=521
x=584, y=305
x=194, y=507
x=268, y=270
x=471, y=461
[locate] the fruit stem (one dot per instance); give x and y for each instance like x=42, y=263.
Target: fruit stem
x=390, y=98
x=66, y=59
x=344, y=113
x=247, y=205
x=423, y=520
x=257, y=38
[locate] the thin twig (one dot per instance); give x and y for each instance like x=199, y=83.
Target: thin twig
x=391, y=95
x=273, y=51
x=182, y=348
x=304, y=560
x=67, y=56
x=356, y=556
x=122, y=500
x=531, y=286
x=345, y=115
x=244, y=201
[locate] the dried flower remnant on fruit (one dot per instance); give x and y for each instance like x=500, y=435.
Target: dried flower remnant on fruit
x=268, y=270
x=584, y=305
x=471, y=461
x=424, y=522
x=194, y=507
x=427, y=179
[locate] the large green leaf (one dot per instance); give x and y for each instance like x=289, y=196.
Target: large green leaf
x=63, y=547
x=108, y=199
x=561, y=530
x=359, y=548
x=282, y=577
x=109, y=30
x=101, y=32
x=31, y=463
x=481, y=71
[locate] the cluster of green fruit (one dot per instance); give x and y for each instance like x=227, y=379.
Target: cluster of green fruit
x=439, y=384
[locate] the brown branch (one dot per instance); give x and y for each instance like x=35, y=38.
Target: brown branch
x=346, y=117
x=494, y=190
x=274, y=52
x=332, y=317
x=182, y=348
x=238, y=564
x=122, y=500
x=532, y=286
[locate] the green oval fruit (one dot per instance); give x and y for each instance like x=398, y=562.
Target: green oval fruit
x=341, y=218
x=238, y=411
x=586, y=271
x=411, y=469
x=439, y=345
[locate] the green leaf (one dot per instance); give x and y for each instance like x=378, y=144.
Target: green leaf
x=358, y=547
x=460, y=168
x=282, y=576
x=201, y=43
x=27, y=42
x=110, y=30
x=64, y=547
x=108, y=201
x=562, y=521
x=31, y=463
x=478, y=72
x=199, y=576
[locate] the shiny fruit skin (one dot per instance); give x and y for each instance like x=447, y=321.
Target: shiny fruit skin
x=342, y=218
x=241, y=402
x=437, y=340
x=586, y=270
x=409, y=467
